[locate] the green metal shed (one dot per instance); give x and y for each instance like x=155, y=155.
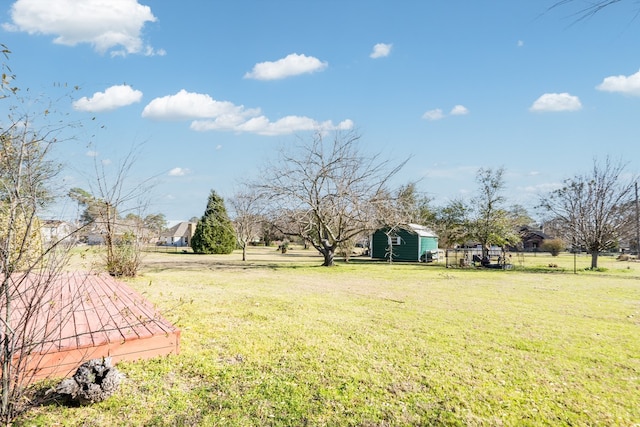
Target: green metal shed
x=409, y=242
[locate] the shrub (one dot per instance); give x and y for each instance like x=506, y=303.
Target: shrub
x=125, y=259
x=553, y=246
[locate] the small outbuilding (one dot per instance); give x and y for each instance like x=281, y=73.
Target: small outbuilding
x=408, y=242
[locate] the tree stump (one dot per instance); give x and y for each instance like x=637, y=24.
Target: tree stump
x=93, y=382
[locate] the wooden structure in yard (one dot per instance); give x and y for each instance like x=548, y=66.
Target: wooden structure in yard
x=407, y=242
x=83, y=316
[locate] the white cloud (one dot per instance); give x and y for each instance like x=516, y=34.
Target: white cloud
x=381, y=50
x=553, y=102
x=438, y=114
x=112, y=98
x=211, y=115
x=261, y=125
x=179, y=172
x=459, y=110
x=543, y=188
x=189, y=105
x=113, y=25
x=433, y=115
x=628, y=85
x=520, y=43
x=291, y=65
x=92, y=153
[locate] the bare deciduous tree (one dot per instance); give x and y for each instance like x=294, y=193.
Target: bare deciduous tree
x=327, y=190
x=593, y=208
x=114, y=195
x=247, y=211
x=33, y=311
x=28, y=267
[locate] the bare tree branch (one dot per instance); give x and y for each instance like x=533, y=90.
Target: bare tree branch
x=326, y=191
x=588, y=9
x=593, y=208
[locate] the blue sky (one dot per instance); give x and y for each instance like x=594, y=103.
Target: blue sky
x=209, y=90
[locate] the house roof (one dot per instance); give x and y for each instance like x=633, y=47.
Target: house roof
x=179, y=230
x=52, y=223
x=528, y=232
x=120, y=227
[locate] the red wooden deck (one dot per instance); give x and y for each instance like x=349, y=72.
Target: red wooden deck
x=85, y=316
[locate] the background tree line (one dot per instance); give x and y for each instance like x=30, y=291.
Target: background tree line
x=328, y=193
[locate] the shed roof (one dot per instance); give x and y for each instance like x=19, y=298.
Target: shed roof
x=421, y=230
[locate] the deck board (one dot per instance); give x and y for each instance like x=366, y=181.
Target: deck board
x=85, y=315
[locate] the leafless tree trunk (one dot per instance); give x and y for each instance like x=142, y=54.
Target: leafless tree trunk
x=115, y=196
x=247, y=210
x=326, y=191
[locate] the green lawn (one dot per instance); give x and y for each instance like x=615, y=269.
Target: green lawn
x=280, y=341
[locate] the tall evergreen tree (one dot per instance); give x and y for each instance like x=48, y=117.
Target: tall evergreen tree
x=214, y=233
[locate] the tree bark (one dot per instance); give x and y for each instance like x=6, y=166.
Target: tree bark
x=328, y=258
x=328, y=251
x=594, y=260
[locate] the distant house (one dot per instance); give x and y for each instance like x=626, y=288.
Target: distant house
x=410, y=242
x=178, y=235
x=532, y=238
x=96, y=233
x=54, y=230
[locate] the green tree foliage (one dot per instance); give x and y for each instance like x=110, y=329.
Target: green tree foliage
x=156, y=223
x=451, y=223
x=90, y=205
x=492, y=224
x=214, y=232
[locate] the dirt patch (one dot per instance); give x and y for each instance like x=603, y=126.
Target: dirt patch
x=160, y=259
